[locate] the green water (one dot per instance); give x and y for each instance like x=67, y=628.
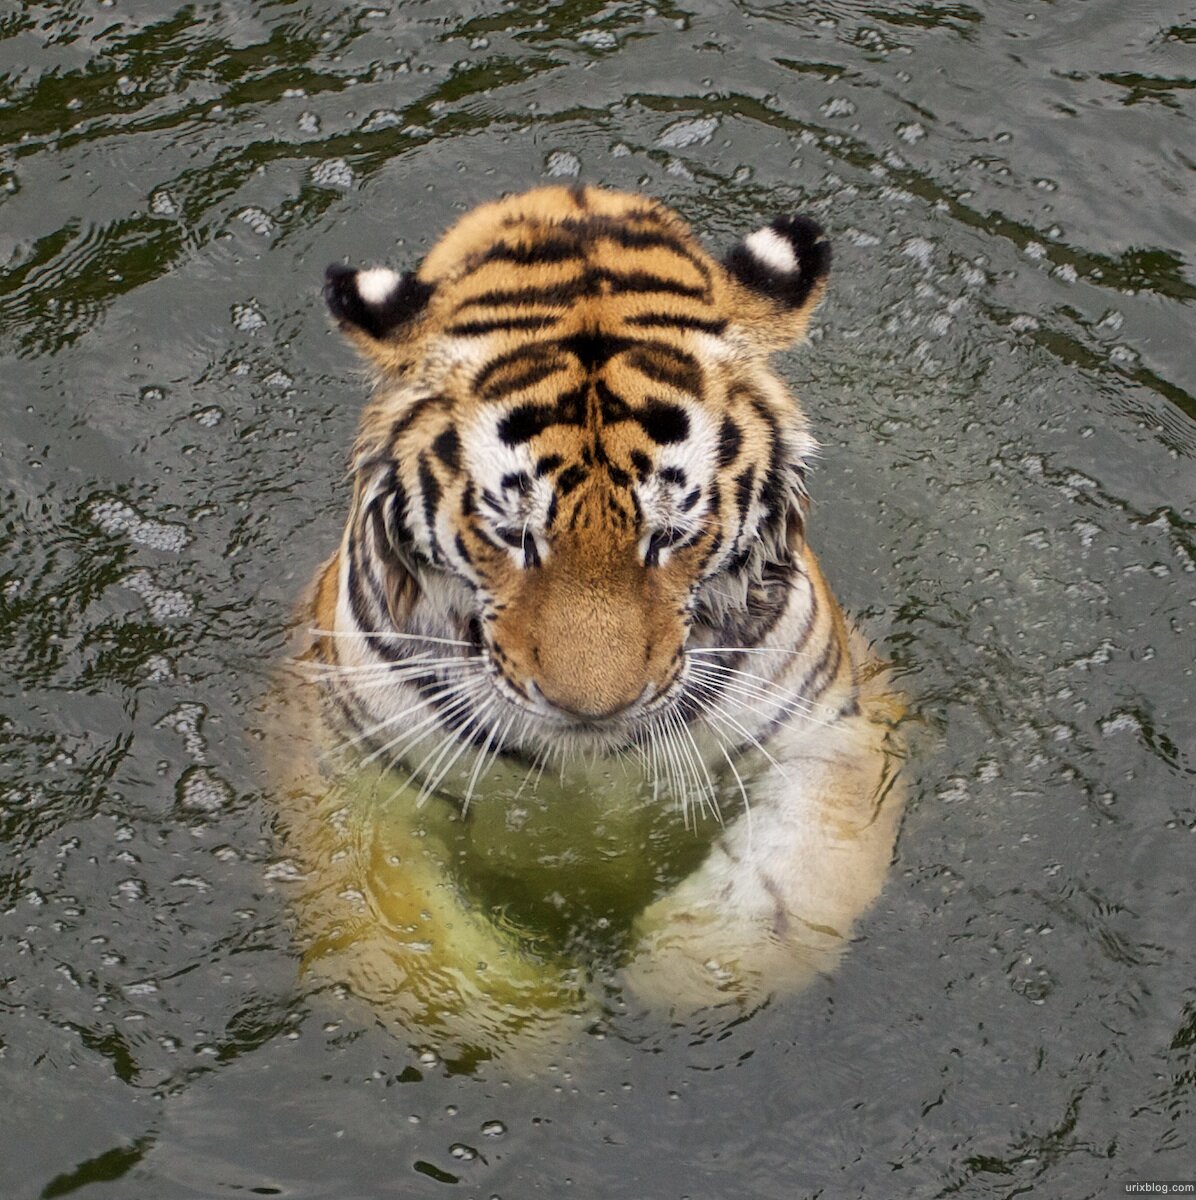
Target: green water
x=1002, y=380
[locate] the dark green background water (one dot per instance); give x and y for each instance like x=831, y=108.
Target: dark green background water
x=1003, y=381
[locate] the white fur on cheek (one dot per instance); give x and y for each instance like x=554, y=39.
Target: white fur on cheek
x=772, y=250
x=376, y=285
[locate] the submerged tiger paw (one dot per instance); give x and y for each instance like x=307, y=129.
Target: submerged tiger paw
x=690, y=958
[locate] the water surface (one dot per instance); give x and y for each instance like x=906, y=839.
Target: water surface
x=1002, y=381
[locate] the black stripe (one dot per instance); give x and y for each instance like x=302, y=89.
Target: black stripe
x=745, y=483
x=676, y=321
x=550, y=295
x=645, y=282
x=570, y=478
x=611, y=406
x=499, y=325
x=663, y=422
x=544, y=249
x=540, y=362
x=623, y=232
x=430, y=487
x=730, y=438
x=415, y=410
x=594, y=348
x=666, y=364
x=448, y=449
x=526, y=422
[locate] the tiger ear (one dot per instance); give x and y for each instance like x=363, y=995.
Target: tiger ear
x=375, y=304
x=781, y=270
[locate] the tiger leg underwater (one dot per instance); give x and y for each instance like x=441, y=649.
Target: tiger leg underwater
x=572, y=611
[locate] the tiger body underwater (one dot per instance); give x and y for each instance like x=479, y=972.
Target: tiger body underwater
x=584, y=701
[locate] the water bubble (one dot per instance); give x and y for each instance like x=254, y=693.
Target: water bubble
x=696, y=132
x=132, y=889
x=162, y=204
x=383, y=118
x=858, y=237
x=333, y=173
x=1086, y=532
x=562, y=163
x=598, y=39
x=896, y=195
x=185, y=720
x=210, y=416
x=285, y=871
x=920, y=250
x=116, y=517
x=257, y=220
x=493, y=1129
x=202, y=790
x=462, y=1152
x=838, y=106
x=1120, y=722
x=164, y=603
x=248, y=318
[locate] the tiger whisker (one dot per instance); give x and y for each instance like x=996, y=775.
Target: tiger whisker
x=454, y=709
x=697, y=756
x=486, y=758
x=455, y=703
x=410, y=665
x=788, y=701
x=433, y=781
x=717, y=712
x=389, y=634
x=415, y=678
x=791, y=651
x=446, y=690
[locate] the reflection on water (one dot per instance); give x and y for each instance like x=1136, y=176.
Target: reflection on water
x=1002, y=385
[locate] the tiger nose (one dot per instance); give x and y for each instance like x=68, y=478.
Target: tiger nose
x=589, y=677
x=593, y=706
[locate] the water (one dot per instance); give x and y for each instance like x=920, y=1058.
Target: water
x=1002, y=382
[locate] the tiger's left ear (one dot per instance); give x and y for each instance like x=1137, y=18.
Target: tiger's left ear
x=781, y=271
x=376, y=305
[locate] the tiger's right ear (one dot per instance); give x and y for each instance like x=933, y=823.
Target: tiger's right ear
x=781, y=270
x=373, y=305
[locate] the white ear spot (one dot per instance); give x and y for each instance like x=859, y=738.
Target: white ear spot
x=377, y=285
x=774, y=251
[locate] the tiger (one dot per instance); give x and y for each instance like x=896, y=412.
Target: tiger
x=581, y=691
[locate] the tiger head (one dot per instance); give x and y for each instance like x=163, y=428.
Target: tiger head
x=576, y=449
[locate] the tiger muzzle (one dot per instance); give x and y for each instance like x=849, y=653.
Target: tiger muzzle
x=589, y=643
